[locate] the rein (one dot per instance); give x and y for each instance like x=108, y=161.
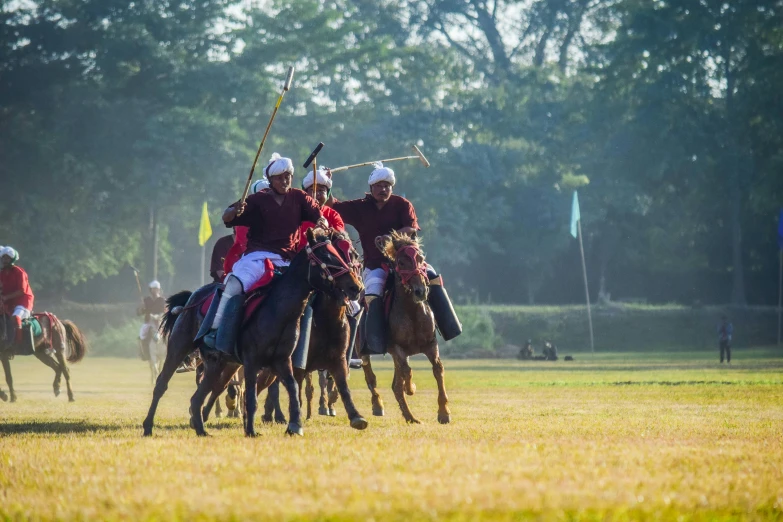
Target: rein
x=331, y=271
x=421, y=269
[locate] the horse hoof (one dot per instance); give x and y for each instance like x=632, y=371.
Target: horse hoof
x=71, y=399
x=251, y=435
x=147, y=432
x=294, y=429
x=358, y=423
x=266, y=420
x=332, y=412
x=410, y=390
x=202, y=434
x=280, y=420
x=322, y=411
x=3, y=396
x=444, y=418
x=413, y=420
x=377, y=411
x=218, y=415
x=13, y=397
x=57, y=392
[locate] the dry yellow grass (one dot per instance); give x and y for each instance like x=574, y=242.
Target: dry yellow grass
x=680, y=439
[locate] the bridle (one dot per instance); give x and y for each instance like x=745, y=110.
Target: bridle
x=330, y=271
x=420, y=268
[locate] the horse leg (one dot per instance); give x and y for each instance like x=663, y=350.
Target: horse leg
x=9, y=380
x=407, y=375
x=323, y=400
x=66, y=372
x=401, y=369
x=310, y=393
x=212, y=374
x=285, y=374
x=272, y=410
x=174, y=358
x=333, y=394
x=217, y=390
x=372, y=384
x=444, y=414
x=340, y=374
x=51, y=363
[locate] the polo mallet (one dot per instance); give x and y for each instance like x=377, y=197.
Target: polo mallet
x=286, y=86
x=418, y=156
x=138, y=283
x=311, y=159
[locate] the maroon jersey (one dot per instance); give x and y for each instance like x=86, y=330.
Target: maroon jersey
x=371, y=222
x=274, y=227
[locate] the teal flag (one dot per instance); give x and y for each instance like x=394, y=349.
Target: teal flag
x=575, y=215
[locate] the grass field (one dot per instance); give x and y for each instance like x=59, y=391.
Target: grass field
x=607, y=437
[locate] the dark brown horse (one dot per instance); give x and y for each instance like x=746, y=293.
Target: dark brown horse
x=267, y=342
x=413, y=330
x=62, y=340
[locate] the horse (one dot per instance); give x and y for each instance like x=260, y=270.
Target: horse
x=328, y=349
x=267, y=341
x=63, y=337
x=152, y=350
x=414, y=326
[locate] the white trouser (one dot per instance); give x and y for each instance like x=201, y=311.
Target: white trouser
x=374, y=281
x=251, y=267
x=21, y=312
x=150, y=330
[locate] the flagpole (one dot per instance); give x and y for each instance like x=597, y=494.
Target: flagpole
x=203, y=263
x=587, y=292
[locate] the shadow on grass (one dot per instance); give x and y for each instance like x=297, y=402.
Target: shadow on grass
x=55, y=427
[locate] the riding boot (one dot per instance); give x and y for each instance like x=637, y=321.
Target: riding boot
x=209, y=318
x=228, y=330
x=299, y=357
x=353, y=322
x=375, y=329
x=25, y=343
x=445, y=316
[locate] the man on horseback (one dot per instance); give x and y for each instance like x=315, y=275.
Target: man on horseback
x=153, y=308
x=16, y=296
x=377, y=214
x=273, y=218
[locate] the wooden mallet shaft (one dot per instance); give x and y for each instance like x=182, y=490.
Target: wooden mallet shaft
x=289, y=77
x=419, y=156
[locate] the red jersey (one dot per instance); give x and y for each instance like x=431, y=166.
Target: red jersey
x=274, y=227
x=330, y=215
x=236, y=251
x=371, y=222
x=12, y=279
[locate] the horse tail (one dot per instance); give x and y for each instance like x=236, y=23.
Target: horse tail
x=77, y=344
x=174, y=306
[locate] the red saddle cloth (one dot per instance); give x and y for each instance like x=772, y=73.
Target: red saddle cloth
x=255, y=294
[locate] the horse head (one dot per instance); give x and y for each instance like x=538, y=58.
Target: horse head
x=404, y=253
x=337, y=278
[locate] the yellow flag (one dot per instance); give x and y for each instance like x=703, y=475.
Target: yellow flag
x=205, y=228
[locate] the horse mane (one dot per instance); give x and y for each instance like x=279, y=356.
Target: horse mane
x=393, y=242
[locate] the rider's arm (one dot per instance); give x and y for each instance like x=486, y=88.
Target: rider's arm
x=407, y=215
x=310, y=209
x=12, y=295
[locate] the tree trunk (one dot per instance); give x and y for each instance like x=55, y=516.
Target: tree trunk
x=735, y=190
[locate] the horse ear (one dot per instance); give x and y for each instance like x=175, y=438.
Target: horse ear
x=385, y=245
x=310, y=235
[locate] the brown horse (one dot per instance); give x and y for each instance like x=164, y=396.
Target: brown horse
x=268, y=340
x=414, y=326
x=62, y=339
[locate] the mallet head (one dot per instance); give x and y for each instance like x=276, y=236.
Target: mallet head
x=421, y=156
x=313, y=154
x=289, y=77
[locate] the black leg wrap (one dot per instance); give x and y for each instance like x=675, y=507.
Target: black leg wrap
x=445, y=316
x=229, y=328
x=26, y=344
x=206, y=324
x=375, y=329
x=299, y=357
x=353, y=322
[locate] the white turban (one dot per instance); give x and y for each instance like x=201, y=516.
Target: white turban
x=10, y=252
x=155, y=284
x=259, y=185
x=381, y=173
x=279, y=165
x=323, y=179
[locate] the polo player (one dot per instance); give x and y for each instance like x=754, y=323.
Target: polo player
x=377, y=214
x=153, y=308
x=15, y=294
x=273, y=218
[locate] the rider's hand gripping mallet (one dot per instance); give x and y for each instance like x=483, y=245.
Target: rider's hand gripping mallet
x=311, y=159
x=287, y=86
x=419, y=156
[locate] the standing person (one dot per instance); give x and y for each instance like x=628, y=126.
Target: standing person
x=273, y=218
x=16, y=295
x=377, y=214
x=725, y=332
x=219, y=253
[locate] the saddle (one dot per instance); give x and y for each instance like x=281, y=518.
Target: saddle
x=254, y=296
x=8, y=342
